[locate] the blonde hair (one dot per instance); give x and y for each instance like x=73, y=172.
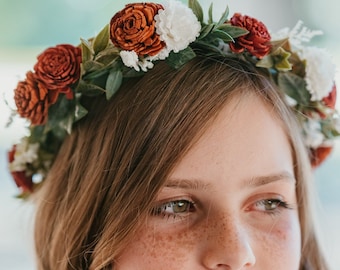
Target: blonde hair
x=111, y=167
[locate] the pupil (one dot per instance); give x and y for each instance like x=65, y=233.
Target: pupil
x=180, y=207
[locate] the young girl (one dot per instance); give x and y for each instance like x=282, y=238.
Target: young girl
x=198, y=155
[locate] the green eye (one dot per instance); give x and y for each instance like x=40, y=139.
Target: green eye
x=180, y=206
x=271, y=204
x=174, y=208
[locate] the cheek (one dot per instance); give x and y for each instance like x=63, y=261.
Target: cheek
x=280, y=245
x=154, y=248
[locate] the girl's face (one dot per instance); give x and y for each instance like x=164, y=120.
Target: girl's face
x=230, y=203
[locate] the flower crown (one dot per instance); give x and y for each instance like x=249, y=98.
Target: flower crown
x=139, y=36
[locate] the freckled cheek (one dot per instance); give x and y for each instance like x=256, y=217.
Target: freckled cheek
x=281, y=241
x=159, y=248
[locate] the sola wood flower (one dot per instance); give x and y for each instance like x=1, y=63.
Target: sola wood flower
x=319, y=154
x=320, y=72
x=256, y=42
x=133, y=29
x=58, y=68
x=31, y=99
x=330, y=100
x=21, y=179
x=177, y=26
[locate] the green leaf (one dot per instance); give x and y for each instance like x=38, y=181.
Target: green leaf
x=79, y=112
x=206, y=30
x=221, y=35
x=113, y=82
x=177, y=60
x=89, y=89
x=210, y=13
x=91, y=65
x=265, y=62
x=295, y=87
x=86, y=51
x=233, y=31
x=281, y=59
x=197, y=9
x=224, y=17
x=101, y=40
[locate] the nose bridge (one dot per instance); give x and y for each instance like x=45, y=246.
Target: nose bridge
x=229, y=243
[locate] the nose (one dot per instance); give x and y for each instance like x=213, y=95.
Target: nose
x=228, y=247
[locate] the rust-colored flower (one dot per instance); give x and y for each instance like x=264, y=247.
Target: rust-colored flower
x=256, y=42
x=24, y=182
x=317, y=156
x=31, y=98
x=330, y=100
x=58, y=68
x=133, y=29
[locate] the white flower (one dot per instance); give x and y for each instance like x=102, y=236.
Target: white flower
x=145, y=64
x=25, y=153
x=130, y=59
x=313, y=133
x=320, y=72
x=177, y=25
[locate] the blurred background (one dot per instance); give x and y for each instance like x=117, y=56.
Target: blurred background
x=28, y=27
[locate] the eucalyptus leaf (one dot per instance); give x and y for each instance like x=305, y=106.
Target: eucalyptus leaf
x=91, y=65
x=222, y=35
x=206, y=30
x=86, y=51
x=210, y=14
x=114, y=81
x=89, y=89
x=233, y=31
x=295, y=87
x=177, y=60
x=224, y=17
x=101, y=40
x=197, y=9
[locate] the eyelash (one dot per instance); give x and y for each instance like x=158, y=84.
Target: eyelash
x=160, y=210
x=279, y=205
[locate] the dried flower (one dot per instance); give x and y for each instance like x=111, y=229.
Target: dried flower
x=31, y=99
x=21, y=178
x=319, y=154
x=330, y=100
x=177, y=25
x=256, y=42
x=58, y=68
x=320, y=72
x=133, y=29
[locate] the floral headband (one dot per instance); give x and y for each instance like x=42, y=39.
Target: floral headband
x=139, y=36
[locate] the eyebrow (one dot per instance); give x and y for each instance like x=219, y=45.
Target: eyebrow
x=186, y=184
x=256, y=181
x=267, y=179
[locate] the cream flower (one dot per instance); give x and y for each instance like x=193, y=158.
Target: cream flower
x=320, y=72
x=130, y=59
x=313, y=133
x=177, y=25
x=25, y=153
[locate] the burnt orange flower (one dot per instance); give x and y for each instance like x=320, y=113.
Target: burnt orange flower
x=318, y=155
x=31, y=99
x=24, y=182
x=256, y=42
x=58, y=68
x=133, y=29
x=330, y=100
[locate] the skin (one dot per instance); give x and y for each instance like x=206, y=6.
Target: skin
x=230, y=202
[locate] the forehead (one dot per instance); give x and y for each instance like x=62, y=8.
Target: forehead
x=245, y=139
